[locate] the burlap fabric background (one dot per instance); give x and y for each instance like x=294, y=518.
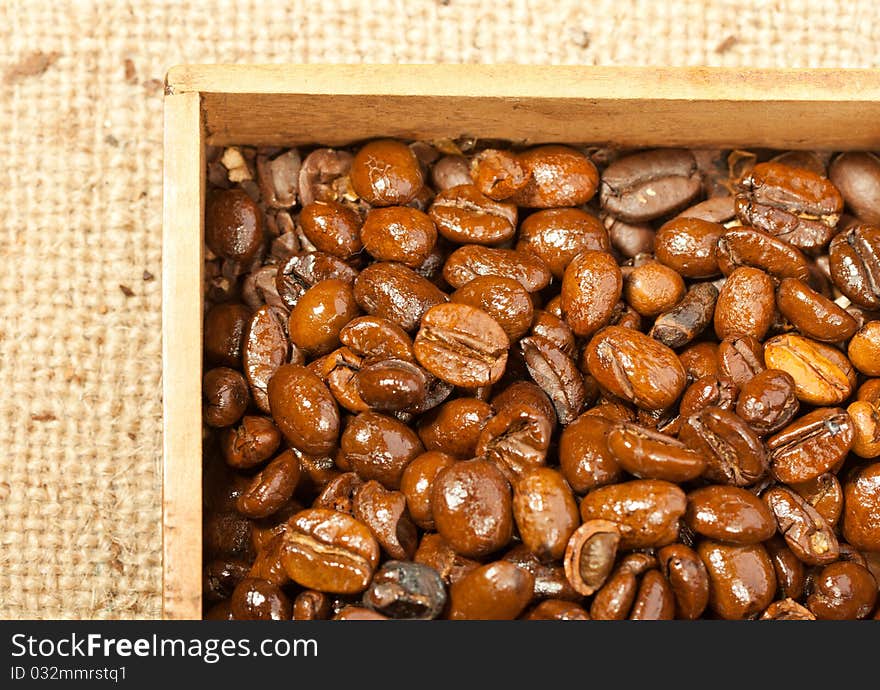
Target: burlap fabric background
x=80, y=203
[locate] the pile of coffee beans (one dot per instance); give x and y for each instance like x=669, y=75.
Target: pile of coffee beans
x=472, y=380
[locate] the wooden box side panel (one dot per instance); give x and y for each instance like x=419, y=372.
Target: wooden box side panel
x=184, y=185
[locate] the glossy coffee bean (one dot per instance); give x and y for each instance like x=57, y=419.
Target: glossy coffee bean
x=806, y=533
x=866, y=428
x=472, y=508
x=822, y=374
x=399, y=233
x=856, y=174
x=843, y=591
x=332, y=227
x=555, y=330
x=379, y=447
x=635, y=367
x=221, y=576
x=590, y=555
x=861, y=517
x=688, y=579
x=653, y=288
x=629, y=239
x=472, y=260
x=436, y=553
x=545, y=512
x=392, y=384
x=768, y=401
x=266, y=348
x=646, y=511
x=654, y=600
x=271, y=488
x=224, y=332
x=455, y=426
x=504, y=299
x=408, y=591
x=497, y=591
x=558, y=235
x=319, y=315
x=330, y=551
x=556, y=176
x=557, y=375
x=734, y=453
x=813, y=314
x=855, y=264
x=451, y=171
x=740, y=357
x=233, y=225
x=796, y=205
x=584, y=456
x=647, y=454
x=790, y=571
x=729, y=514
x=386, y=173
x=304, y=410
x=417, y=485
x=591, y=287
x=497, y=173
x=557, y=610
x=251, y=443
x=377, y=338
x=305, y=270
x=226, y=397
x=811, y=445
x=384, y=513
x=311, y=605
x=259, y=600
x=745, y=304
x=745, y=246
x=708, y=391
x=650, y=184
x=397, y=293
x=686, y=320
x=688, y=246
x=742, y=581
x=467, y=216
x=461, y=345
x=864, y=349
x=825, y=494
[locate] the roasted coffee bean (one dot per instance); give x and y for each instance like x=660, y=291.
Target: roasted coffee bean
x=259, y=600
x=379, y=447
x=226, y=397
x=590, y=555
x=558, y=235
x=251, y=443
x=715, y=209
x=798, y=206
x=377, y=338
x=462, y=345
x=405, y=590
x=451, y=171
x=688, y=579
x=825, y=494
x=227, y=535
x=392, y=384
x=768, y=401
x=648, y=454
x=734, y=453
x=790, y=572
x=821, y=373
x=311, y=605
x=556, y=176
x=742, y=581
x=221, y=577
x=472, y=508
x=555, y=330
x=650, y=184
x=702, y=359
x=813, y=314
x=384, y=513
x=338, y=371
x=549, y=578
x=653, y=288
x=584, y=456
x=268, y=564
x=864, y=349
x=266, y=348
x=708, y=391
x=557, y=375
x=339, y=493
x=865, y=417
x=557, y=610
x=467, y=216
x=330, y=552
x=455, y=426
x=729, y=514
x=861, y=518
x=305, y=270
x=386, y=173
x=745, y=246
x=810, y=161
x=688, y=246
x=304, y=409
x=417, y=484
x=655, y=600
x=807, y=534
x=811, y=445
x=856, y=174
x=629, y=239
x=224, y=332
x=843, y=591
x=233, y=225
x=591, y=287
x=617, y=598
x=399, y=233
x=271, y=488
x=688, y=318
x=319, y=315
x=740, y=358
x=497, y=591
x=516, y=439
x=646, y=511
x=321, y=175
x=397, y=293
x=497, y=173
x=525, y=393
x=504, y=299
x=434, y=552
x=472, y=260
x=635, y=367
x=786, y=610
x=545, y=512
x=745, y=304
x=332, y=227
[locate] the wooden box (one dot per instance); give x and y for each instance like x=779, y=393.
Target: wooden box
x=333, y=105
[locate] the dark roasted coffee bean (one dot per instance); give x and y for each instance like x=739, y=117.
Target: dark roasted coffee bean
x=811, y=445
x=742, y=581
x=472, y=260
x=689, y=318
x=557, y=375
x=768, y=401
x=310, y=605
x=386, y=173
x=392, y=384
x=221, y=576
x=406, y=591
x=255, y=600
x=397, y=293
x=251, y=443
x=556, y=176
x=813, y=314
x=304, y=409
x=558, y=235
x=399, y=233
x=226, y=397
x=271, y=488
x=225, y=327
x=650, y=184
x=233, y=225
x=729, y=514
x=379, y=447
x=591, y=288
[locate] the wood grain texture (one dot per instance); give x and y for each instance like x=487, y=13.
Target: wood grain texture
x=697, y=107
x=184, y=170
